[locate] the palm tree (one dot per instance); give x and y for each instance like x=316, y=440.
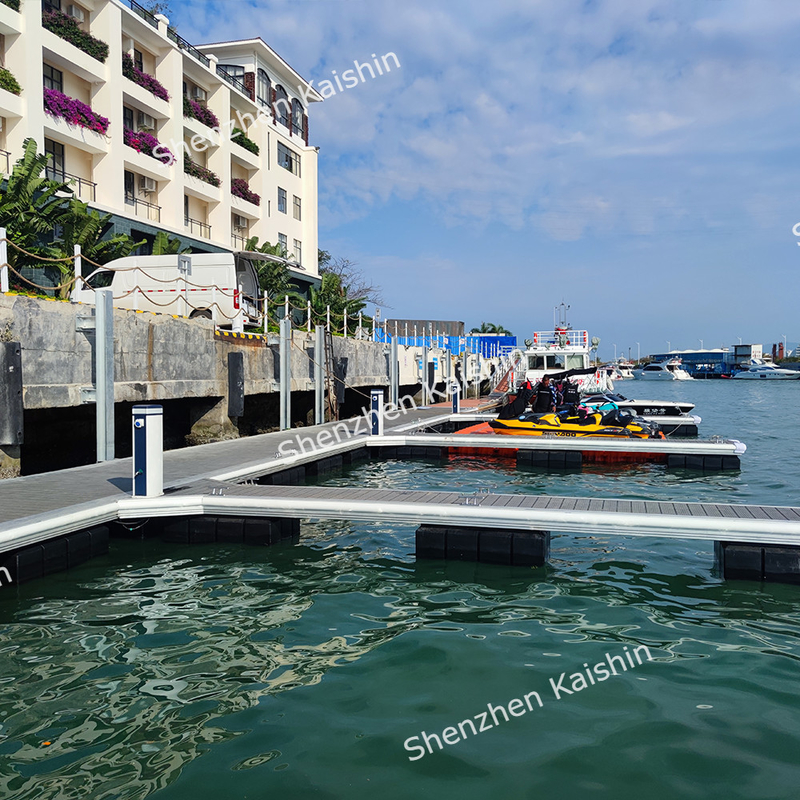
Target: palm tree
x=490, y=327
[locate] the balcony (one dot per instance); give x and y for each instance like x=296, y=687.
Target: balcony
x=83, y=138
x=84, y=189
x=182, y=44
x=71, y=59
x=146, y=15
x=68, y=29
x=5, y=162
x=237, y=83
x=10, y=19
x=197, y=228
x=238, y=242
x=143, y=209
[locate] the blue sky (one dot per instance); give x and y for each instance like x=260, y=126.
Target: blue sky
x=636, y=158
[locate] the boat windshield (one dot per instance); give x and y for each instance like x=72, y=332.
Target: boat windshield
x=556, y=361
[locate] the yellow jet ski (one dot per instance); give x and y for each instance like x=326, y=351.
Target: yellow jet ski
x=578, y=424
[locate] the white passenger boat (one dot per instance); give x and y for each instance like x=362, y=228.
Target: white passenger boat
x=758, y=369
x=563, y=352
x=669, y=370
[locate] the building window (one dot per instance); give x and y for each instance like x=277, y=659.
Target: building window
x=130, y=187
x=53, y=78
x=51, y=5
x=298, y=251
x=296, y=207
x=288, y=159
x=263, y=87
x=186, y=209
x=282, y=106
x=297, y=117
x=127, y=118
x=55, y=164
x=281, y=200
x=284, y=243
x=138, y=59
x=234, y=70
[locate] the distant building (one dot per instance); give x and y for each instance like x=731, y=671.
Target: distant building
x=424, y=327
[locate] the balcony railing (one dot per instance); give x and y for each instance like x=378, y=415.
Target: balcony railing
x=237, y=83
x=184, y=45
x=238, y=242
x=142, y=208
x=146, y=15
x=5, y=162
x=194, y=225
x=84, y=189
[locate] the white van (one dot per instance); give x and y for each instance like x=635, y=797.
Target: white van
x=219, y=286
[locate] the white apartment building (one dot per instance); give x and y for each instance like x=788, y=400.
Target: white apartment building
x=215, y=192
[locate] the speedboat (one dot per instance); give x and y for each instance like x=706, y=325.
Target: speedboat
x=758, y=369
x=668, y=370
x=644, y=408
x=581, y=424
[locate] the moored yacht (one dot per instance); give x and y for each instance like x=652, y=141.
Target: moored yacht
x=668, y=370
x=758, y=369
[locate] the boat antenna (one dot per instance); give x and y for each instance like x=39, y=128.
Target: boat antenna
x=561, y=310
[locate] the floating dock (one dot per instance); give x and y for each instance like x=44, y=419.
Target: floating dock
x=54, y=521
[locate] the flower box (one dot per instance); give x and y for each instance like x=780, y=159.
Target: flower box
x=239, y=188
x=200, y=113
x=204, y=174
x=243, y=140
x=73, y=111
x=68, y=29
x=146, y=143
x=133, y=73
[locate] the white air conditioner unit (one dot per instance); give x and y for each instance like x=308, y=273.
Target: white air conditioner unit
x=147, y=185
x=145, y=121
x=198, y=93
x=239, y=222
x=76, y=12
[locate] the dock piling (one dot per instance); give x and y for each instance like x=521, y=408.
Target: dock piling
x=104, y=373
x=319, y=377
x=285, y=373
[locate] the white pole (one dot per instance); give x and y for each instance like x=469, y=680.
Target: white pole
x=265, y=312
x=214, y=305
x=238, y=320
x=358, y=334
x=75, y=294
x=308, y=315
x=345, y=323
x=3, y=261
x=328, y=315
x=286, y=306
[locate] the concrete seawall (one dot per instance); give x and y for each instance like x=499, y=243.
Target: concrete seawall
x=180, y=363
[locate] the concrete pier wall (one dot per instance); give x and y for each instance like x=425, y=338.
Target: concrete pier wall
x=180, y=363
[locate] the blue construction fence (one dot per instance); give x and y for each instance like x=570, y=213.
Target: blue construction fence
x=487, y=346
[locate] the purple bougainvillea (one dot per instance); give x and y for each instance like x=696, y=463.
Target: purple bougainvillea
x=148, y=144
x=132, y=72
x=73, y=111
x=200, y=113
x=239, y=188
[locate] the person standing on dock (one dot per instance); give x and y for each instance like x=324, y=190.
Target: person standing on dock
x=545, y=397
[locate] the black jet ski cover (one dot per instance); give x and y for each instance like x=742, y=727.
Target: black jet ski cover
x=518, y=405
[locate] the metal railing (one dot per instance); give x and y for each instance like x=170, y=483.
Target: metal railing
x=184, y=45
x=146, y=15
x=144, y=209
x=238, y=242
x=237, y=83
x=85, y=189
x=203, y=230
x=5, y=162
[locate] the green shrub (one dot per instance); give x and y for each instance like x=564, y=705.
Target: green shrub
x=11, y=4
x=9, y=82
x=67, y=28
x=238, y=136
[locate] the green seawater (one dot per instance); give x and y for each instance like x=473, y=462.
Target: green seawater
x=214, y=672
